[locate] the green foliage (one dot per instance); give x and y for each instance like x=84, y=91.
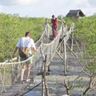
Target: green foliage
x=91, y=67
x=69, y=21
x=86, y=34
x=14, y=27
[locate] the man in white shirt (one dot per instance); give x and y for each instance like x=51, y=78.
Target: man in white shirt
x=25, y=46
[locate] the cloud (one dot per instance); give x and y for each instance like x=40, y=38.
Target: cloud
x=26, y=2
x=1, y=8
x=46, y=7
x=78, y=4
x=92, y=2
x=18, y=2
x=7, y=2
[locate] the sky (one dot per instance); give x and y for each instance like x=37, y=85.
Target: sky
x=45, y=8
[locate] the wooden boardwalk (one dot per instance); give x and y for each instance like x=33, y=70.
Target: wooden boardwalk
x=56, y=80
x=75, y=77
x=57, y=77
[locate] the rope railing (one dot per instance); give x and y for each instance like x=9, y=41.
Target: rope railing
x=44, y=35
x=10, y=70
x=50, y=48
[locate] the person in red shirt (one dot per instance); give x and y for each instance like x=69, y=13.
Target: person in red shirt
x=54, y=22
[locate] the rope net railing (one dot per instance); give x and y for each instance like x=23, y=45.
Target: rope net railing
x=10, y=70
x=45, y=36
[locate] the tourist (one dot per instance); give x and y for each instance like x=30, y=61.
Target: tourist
x=25, y=46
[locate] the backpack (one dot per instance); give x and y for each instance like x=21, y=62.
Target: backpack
x=22, y=54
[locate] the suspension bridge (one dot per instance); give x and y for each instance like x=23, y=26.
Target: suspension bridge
x=47, y=51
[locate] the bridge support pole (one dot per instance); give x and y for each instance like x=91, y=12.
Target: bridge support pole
x=42, y=85
x=71, y=42
x=62, y=53
x=45, y=91
x=65, y=58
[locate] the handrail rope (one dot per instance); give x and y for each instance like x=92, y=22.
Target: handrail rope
x=11, y=63
x=53, y=44
x=1, y=63
x=62, y=31
x=54, y=39
x=42, y=34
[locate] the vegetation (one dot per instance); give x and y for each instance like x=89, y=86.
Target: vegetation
x=86, y=29
x=12, y=28
x=86, y=33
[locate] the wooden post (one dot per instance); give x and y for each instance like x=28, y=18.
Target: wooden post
x=65, y=58
x=42, y=85
x=71, y=42
x=45, y=80
x=45, y=91
x=62, y=46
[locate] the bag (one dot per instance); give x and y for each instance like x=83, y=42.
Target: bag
x=22, y=54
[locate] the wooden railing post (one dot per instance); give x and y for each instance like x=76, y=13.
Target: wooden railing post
x=45, y=91
x=71, y=42
x=65, y=58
